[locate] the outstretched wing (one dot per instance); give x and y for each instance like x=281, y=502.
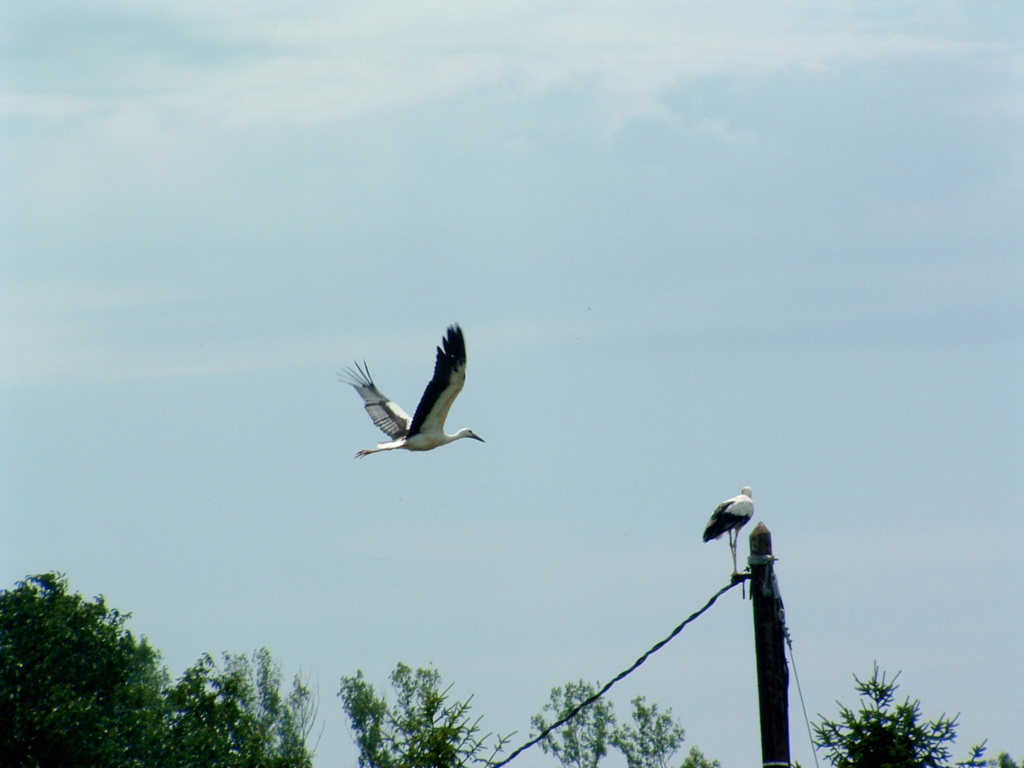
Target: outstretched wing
x=386, y=414
x=449, y=376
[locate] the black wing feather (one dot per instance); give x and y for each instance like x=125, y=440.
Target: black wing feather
x=722, y=521
x=386, y=414
x=451, y=357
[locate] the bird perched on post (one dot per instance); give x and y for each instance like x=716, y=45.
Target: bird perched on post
x=729, y=517
x=425, y=430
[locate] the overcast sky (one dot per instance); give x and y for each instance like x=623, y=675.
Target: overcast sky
x=693, y=246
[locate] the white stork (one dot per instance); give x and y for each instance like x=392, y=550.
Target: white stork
x=729, y=517
x=425, y=430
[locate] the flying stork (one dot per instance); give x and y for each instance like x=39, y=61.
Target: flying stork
x=425, y=430
x=729, y=517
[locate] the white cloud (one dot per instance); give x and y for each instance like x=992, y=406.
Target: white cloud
x=88, y=332
x=244, y=67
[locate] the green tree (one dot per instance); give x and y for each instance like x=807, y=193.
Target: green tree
x=422, y=729
x=583, y=740
x=696, y=759
x=886, y=735
x=236, y=716
x=653, y=738
x=76, y=689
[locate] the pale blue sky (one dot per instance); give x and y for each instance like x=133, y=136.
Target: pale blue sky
x=693, y=246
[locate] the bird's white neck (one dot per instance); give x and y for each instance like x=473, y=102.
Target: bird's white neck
x=463, y=433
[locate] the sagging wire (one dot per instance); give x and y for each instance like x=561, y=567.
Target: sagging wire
x=737, y=579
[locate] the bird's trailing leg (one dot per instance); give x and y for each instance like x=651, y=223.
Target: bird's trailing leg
x=382, y=447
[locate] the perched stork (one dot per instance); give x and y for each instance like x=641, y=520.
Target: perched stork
x=729, y=517
x=425, y=430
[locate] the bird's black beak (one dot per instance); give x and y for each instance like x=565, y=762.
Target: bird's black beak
x=477, y=437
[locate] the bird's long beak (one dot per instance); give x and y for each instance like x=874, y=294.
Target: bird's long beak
x=477, y=437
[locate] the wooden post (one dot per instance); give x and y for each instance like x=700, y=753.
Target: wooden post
x=772, y=673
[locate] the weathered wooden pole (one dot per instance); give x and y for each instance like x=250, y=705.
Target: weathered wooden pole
x=769, y=639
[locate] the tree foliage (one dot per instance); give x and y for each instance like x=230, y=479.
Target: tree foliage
x=77, y=689
x=236, y=716
x=583, y=741
x=883, y=734
x=421, y=730
x=653, y=738
x=696, y=759
x=1005, y=761
x=649, y=741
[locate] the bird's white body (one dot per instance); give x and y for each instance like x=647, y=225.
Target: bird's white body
x=728, y=517
x=425, y=441
x=425, y=430
x=420, y=442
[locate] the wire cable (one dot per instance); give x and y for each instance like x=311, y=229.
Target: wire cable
x=737, y=579
x=807, y=721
